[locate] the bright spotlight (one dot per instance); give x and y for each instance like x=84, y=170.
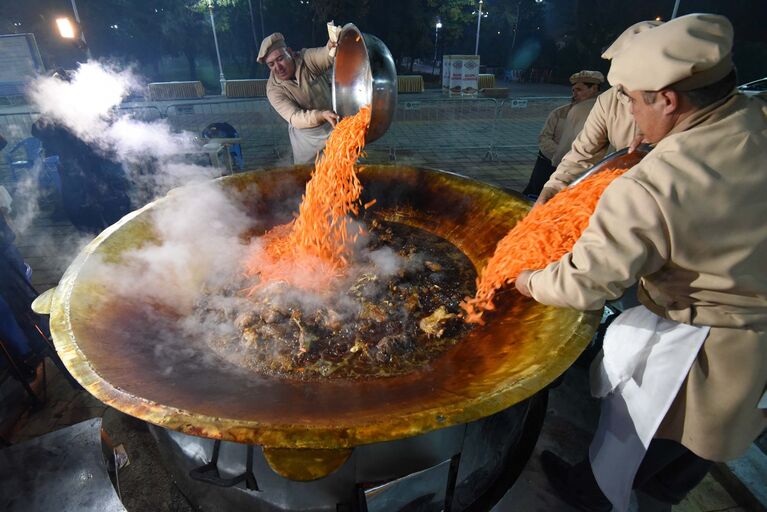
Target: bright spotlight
x=66, y=29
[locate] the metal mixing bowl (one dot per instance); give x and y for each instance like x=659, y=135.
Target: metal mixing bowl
x=364, y=74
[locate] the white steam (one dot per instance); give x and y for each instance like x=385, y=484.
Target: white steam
x=84, y=104
x=199, y=228
x=154, y=156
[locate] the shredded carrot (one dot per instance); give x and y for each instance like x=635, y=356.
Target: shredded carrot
x=546, y=234
x=370, y=203
x=315, y=247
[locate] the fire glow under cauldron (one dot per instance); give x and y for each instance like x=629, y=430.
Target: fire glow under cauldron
x=309, y=430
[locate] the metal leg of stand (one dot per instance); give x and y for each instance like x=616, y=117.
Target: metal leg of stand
x=208, y=473
x=490, y=154
x=19, y=375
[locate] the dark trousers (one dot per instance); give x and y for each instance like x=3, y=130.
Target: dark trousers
x=668, y=472
x=541, y=174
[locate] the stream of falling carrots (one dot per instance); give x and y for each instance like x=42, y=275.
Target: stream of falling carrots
x=315, y=247
x=546, y=234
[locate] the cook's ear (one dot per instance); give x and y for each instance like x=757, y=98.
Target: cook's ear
x=671, y=100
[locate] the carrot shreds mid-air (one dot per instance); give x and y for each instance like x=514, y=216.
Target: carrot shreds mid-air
x=546, y=234
x=315, y=246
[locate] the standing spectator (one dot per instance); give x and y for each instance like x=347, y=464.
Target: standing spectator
x=562, y=126
x=94, y=188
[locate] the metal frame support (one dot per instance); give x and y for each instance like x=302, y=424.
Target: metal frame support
x=208, y=473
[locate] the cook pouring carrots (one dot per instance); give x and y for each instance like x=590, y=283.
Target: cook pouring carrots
x=683, y=375
x=299, y=90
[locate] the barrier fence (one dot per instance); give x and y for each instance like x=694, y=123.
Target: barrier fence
x=432, y=130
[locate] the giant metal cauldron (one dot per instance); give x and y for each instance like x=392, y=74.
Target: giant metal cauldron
x=308, y=431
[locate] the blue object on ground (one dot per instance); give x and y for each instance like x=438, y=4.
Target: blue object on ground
x=32, y=156
x=226, y=131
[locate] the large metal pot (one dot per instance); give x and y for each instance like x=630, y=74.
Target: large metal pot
x=364, y=74
x=108, y=342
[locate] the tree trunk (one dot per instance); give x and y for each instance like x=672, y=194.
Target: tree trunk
x=253, y=62
x=156, y=69
x=191, y=60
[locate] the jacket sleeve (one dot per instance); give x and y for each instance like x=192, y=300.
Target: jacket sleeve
x=291, y=111
x=546, y=142
x=318, y=60
x=625, y=240
x=588, y=148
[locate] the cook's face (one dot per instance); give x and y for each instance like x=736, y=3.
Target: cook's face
x=652, y=119
x=583, y=91
x=281, y=63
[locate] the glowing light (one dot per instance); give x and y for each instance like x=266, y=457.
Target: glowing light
x=66, y=29
x=658, y=18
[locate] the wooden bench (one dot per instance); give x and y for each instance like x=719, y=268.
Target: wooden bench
x=176, y=90
x=409, y=83
x=253, y=88
x=486, y=81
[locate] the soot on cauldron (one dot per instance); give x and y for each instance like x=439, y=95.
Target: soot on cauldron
x=394, y=312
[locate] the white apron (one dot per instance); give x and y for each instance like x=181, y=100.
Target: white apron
x=307, y=142
x=644, y=363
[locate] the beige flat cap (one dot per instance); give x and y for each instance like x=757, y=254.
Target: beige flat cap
x=587, y=77
x=627, y=35
x=269, y=44
x=687, y=52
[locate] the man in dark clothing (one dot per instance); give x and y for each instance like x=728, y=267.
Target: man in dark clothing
x=94, y=188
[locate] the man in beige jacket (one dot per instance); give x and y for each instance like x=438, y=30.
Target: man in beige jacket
x=562, y=126
x=687, y=223
x=609, y=125
x=299, y=90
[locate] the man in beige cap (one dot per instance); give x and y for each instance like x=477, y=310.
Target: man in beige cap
x=562, y=126
x=609, y=125
x=299, y=90
x=683, y=376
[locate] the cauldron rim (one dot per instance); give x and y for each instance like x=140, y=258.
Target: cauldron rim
x=296, y=434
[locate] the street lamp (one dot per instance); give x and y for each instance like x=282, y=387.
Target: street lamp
x=676, y=9
x=221, y=78
x=480, y=15
x=69, y=30
x=66, y=29
x=252, y=23
x=436, y=44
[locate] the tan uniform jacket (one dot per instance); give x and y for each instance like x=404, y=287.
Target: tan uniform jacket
x=301, y=101
x=549, y=138
x=688, y=222
x=609, y=123
x=573, y=125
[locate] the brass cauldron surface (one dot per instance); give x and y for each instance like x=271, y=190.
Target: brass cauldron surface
x=107, y=344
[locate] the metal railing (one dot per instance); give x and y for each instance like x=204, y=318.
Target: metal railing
x=430, y=130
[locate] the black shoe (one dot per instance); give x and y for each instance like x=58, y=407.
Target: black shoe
x=586, y=497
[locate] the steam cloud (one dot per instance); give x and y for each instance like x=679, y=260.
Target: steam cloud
x=151, y=152
x=155, y=157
